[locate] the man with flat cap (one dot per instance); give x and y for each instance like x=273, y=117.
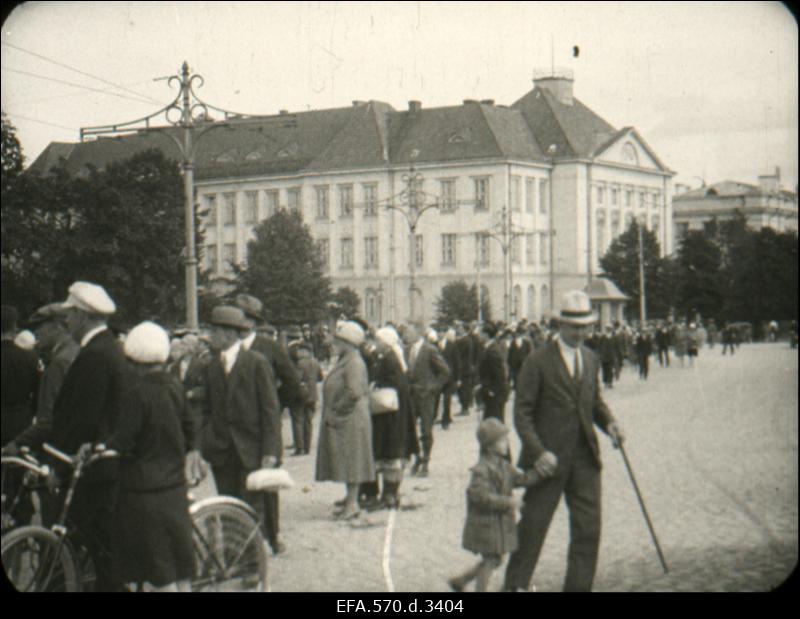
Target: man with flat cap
x=86, y=412
x=242, y=420
x=558, y=404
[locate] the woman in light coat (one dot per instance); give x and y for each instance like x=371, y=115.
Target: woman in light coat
x=345, y=441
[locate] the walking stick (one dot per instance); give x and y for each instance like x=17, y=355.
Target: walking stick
x=644, y=509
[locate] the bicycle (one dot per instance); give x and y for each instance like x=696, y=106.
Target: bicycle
x=230, y=551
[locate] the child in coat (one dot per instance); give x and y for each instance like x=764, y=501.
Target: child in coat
x=490, y=529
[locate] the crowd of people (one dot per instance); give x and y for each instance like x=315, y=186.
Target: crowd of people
x=178, y=406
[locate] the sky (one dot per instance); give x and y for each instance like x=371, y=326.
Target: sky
x=711, y=86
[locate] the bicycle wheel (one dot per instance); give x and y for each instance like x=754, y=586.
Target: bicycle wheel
x=35, y=559
x=230, y=552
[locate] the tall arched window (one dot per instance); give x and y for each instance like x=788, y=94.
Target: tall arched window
x=532, y=305
x=545, y=296
x=600, y=232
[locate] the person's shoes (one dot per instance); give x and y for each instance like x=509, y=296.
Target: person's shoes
x=298, y=452
x=423, y=471
x=445, y=426
x=392, y=502
x=415, y=468
x=340, y=503
x=348, y=515
x=373, y=504
x=278, y=548
x=456, y=585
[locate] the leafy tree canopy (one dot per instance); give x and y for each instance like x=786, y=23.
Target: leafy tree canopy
x=459, y=301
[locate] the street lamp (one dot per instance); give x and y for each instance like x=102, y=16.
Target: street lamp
x=189, y=117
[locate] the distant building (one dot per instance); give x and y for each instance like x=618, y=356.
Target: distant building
x=571, y=181
x=765, y=205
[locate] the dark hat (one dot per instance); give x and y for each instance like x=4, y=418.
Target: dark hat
x=303, y=345
x=294, y=332
x=230, y=317
x=490, y=431
x=45, y=314
x=252, y=307
x=489, y=328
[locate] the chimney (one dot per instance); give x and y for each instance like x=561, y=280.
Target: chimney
x=283, y=112
x=414, y=107
x=468, y=101
x=681, y=188
x=558, y=82
x=356, y=103
x=770, y=182
x=487, y=101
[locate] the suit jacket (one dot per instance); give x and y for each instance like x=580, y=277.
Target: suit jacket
x=428, y=374
x=466, y=354
x=20, y=378
x=607, y=349
x=552, y=408
x=453, y=360
x=241, y=413
x=518, y=354
x=284, y=374
x=492, y=373
x=88, y=405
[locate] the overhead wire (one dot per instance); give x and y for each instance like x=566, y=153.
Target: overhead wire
x=42, y=122
x=71, y=68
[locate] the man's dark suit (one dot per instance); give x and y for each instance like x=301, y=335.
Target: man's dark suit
x=450, y=354
x=466, y=363
x=427, y=374
x=493, y=378
x=554, y=412
x=518, y=351
x=241, y=425
x=20, y=370
x=86, y=411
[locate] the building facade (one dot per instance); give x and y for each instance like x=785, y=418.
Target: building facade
x=765, y=205
x=556, y=174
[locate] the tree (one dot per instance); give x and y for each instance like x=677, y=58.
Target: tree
x=346, y=302
x=122, y=227
x=621, y=265
x=285, y=271
x=701, y=289
x=459, y=301
x=12, y=158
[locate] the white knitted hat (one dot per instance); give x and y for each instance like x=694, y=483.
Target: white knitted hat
x=147, y=343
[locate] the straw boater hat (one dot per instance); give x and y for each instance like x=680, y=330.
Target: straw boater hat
x=229, y=317
x=147, y=343
x=89, y=298
x=350, y=332
x=576, y=309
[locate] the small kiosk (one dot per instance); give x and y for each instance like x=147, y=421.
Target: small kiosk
x=607, y=300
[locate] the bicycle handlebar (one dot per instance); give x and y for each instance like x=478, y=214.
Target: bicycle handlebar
x=40, y=470
x=71, y=460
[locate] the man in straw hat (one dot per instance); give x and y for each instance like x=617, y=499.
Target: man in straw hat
x=557, y=404
x=241, y=415
x=86, y=413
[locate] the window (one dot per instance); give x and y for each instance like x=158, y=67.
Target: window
x=372, y=304
x=600, y=229
x=448, y=195
x=323, y=201
x=641, y=199
x=228, y=257
x=419, y=251
x=482, y=194
x=681, y=230
x=211, y=207
x=628, y=197
x=294, y=198
x=371, y=252
x=656, y=226
x=448, y=249
x=614, y=196
x=229, y=209
x=371, y=200
x=530, y=194
x=601, y=194
x=515, y=250
x=543, y=197
x=628, y=220
x=250, y=207
x=531, y=302
x=211, y=258
x=483, y=250
x=346, y=200
x=516, y=202
x=347, y=253
x=545, y=304
x=657, y=199
x=273, y=202
x=323, y=248
x=543, y=248
x=530, y=249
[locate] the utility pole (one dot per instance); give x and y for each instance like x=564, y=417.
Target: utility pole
x=189, y=120
x=642, y=301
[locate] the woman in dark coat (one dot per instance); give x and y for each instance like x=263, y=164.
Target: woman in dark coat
x=394, y=436
x=153, y=540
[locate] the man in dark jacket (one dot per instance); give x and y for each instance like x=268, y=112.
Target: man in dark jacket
x=427, y=374
x=557, y=405
x=663, y=342
x=85, y=414
x=518, y=351
x=466, y=365
x=492, y=374
x=643, y=346
x=241, y=415
x=607, y=351
x=20, y=380
x=290, y=393
x=448, y=348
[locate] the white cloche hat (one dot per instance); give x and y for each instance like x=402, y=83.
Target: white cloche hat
x=147, y=343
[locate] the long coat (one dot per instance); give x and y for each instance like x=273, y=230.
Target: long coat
x=20, y=379
x=552, y=408
x=394, y=435
x=429, y=372
x=492, y=373
x=490, y=528
x=284, y=373
x=241, y=413
x=345, y=437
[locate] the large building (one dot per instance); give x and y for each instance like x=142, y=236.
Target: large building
x=765, y=205
x=569, y=180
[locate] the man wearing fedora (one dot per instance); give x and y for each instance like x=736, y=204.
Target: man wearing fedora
x=241, y=414
x=557, y=405
x=86, y=412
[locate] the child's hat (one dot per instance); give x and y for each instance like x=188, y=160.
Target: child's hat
x=490, y=431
